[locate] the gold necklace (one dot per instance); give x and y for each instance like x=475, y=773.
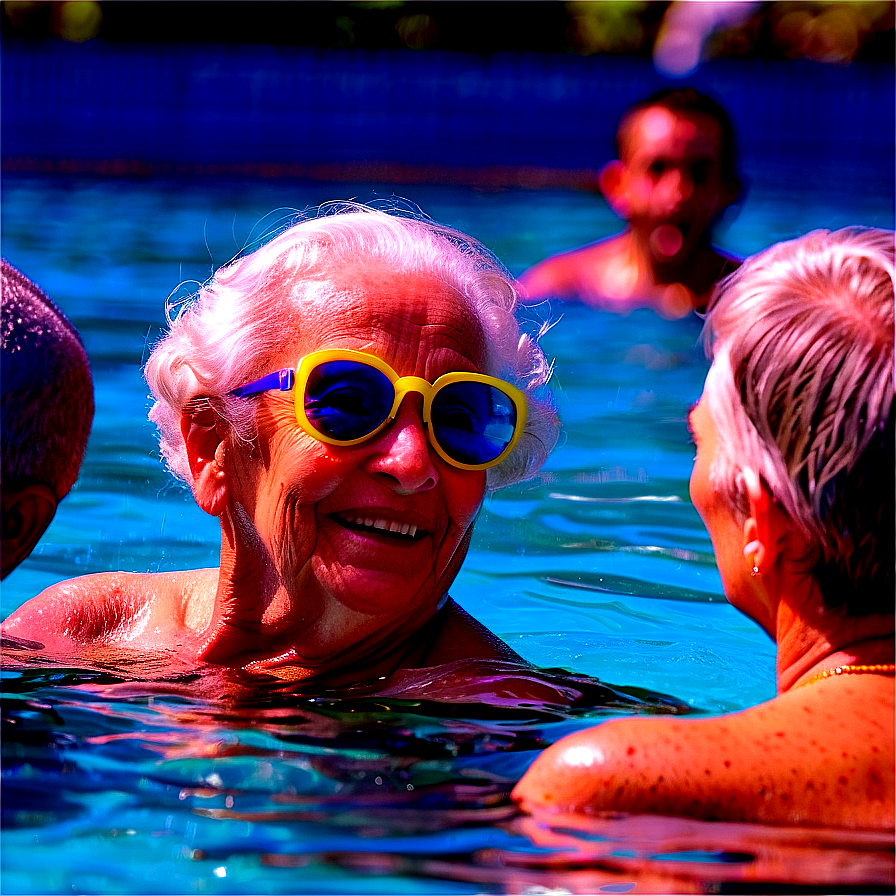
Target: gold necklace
x=849, y=669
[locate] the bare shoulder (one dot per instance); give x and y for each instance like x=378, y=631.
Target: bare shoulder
x=547, y=279
x=805, y=757
x=460, y=637
x=104, y=607
x=563, y=275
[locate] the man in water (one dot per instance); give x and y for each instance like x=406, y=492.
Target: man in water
x=674, y=176
x=46, y=416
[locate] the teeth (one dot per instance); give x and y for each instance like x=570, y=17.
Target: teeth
x=382, y=524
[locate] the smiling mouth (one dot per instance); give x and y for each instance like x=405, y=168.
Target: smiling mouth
x=381, y=526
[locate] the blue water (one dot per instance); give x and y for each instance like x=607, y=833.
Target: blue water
x=599, y=566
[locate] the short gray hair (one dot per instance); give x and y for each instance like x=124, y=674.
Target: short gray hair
x=801, y=391
x=227, y=333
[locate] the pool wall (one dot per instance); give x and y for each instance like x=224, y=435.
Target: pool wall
x=403, y=116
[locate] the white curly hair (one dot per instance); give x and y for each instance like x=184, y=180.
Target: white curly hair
x=250, y=310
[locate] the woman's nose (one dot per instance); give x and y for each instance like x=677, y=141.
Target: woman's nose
x=402, y=455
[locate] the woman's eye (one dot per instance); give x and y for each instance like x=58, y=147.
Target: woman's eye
x=338, y=402
x=347, y=400
x=457, y=417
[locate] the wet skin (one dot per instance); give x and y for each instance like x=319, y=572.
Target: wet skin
x=816, y=756
x=333, y=558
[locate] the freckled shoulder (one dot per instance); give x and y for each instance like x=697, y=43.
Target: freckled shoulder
x=802, y=758
x=105, y=608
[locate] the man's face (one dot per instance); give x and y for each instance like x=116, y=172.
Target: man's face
x=673, y=184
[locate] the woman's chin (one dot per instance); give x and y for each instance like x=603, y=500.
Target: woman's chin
x=371, y=572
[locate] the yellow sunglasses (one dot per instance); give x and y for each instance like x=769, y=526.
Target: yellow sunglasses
x=344, y=397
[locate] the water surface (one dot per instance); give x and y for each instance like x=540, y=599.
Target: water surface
x=126, y=779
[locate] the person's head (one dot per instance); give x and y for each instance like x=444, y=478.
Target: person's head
x=47, y=412
x=800, y=399
x=675, y=172
x=424, y=300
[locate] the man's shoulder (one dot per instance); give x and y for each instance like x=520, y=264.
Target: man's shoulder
x=564, y=274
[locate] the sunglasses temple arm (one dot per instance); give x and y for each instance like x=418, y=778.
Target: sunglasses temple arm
x=280, y=380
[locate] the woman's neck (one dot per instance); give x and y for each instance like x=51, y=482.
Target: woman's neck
x=250, y=617
x=814, y=638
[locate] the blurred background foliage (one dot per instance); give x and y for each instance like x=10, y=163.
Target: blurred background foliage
x=679, y=35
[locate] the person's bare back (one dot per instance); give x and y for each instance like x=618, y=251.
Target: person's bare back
x=814, y=756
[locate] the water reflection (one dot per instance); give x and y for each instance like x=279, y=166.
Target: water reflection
x=402, y=784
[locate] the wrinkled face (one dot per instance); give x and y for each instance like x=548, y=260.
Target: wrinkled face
x=380, y=527
x=674, y=184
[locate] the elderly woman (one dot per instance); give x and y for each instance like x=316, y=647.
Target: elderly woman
x=794, y=479
x=341, y=400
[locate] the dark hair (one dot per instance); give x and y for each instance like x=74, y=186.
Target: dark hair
x=47, y=407
x=689, y=101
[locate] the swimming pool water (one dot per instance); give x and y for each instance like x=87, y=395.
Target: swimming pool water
x=599, y=566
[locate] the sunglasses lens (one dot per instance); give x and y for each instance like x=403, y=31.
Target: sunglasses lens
x=473, y=422
x=346, y=400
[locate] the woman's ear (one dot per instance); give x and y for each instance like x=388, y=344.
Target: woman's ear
x=767, y=528
x=612, y=180
x=205, y=453
x=27, y=512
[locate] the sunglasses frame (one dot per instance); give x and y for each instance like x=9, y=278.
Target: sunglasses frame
x=286, y=379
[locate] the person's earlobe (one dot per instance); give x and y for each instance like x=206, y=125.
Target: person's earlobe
x=27, y=512
x=612, y=184
x=205, y=453
x=767, y=528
